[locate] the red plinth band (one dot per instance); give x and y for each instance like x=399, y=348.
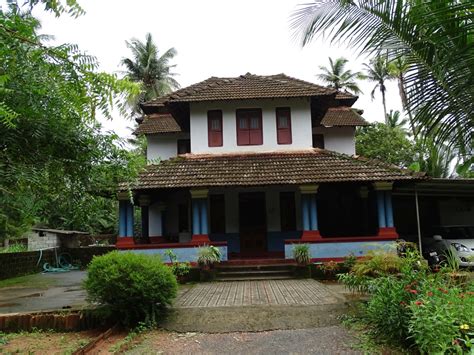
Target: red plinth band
x=310, y=235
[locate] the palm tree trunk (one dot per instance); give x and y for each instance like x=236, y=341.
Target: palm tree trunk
x=403, y=96
x=384, y=107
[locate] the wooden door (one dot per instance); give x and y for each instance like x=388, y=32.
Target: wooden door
x=252, y=224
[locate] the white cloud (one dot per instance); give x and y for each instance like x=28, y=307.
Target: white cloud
x=213, y=38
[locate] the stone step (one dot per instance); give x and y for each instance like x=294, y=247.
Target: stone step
x=254, y=272
x=265, y=267
x=255, y=278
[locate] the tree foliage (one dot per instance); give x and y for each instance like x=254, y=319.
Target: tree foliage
x=58, y=168
x=152, y=71
x=435, y=37
x=338, y=77
x=386, y=144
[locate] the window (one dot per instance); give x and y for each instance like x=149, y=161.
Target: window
x=283, y=122
x=214, y=128
x=287, y=211
x=184, y=146
x=318, y=141
x=249, y=127
x=217, y=207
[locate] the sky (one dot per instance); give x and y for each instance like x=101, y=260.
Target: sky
x=212, y=38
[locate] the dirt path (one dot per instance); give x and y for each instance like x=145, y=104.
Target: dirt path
x=324, y=340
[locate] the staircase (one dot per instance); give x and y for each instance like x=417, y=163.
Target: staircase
x=232, y=272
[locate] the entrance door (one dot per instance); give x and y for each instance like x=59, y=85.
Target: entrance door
x=252, y=224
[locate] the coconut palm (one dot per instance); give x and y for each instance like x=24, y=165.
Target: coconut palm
x=378, y=71
x=335, y=76
x=149, y=68
x=394, y=120
x=399, y=67
x=436, y=39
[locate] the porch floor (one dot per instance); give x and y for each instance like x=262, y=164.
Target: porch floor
x=252, y=293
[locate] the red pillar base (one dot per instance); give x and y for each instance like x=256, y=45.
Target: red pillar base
x=124, y=242
x=388, y=232
x=200, y=238
x=310, y=235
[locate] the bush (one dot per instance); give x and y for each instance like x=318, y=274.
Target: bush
x=378, y=263
x=180, y=270
x=135, y=287
x=414, y=306
x=301, y=254
x=208, y=255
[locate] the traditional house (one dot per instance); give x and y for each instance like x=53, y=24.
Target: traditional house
x=254, y=164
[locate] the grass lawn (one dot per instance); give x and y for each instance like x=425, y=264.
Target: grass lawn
x=44, y=342
x=32, y=281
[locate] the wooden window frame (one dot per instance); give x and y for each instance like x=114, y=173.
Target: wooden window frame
x=255, y=136
x=214, y=137
x=284, y=135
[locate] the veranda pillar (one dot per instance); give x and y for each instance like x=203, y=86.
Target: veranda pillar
x=200, y=215
x=125, y=235
x=309, y=212
x=384, y=209
x=144, y=201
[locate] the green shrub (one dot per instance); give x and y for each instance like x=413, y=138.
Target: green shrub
x=301, y=254
x=14, y=248
x=208, y=255
x=378, y=263
x=179, y=269
x=135, y=287
x=442, y=320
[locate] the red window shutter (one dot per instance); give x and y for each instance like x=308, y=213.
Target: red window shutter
x=249, y=127
x=243, y=131
x=214, y=128
x=283, y=122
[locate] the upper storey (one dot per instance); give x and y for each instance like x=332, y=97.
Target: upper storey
x=250, y=113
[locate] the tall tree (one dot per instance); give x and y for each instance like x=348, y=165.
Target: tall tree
x=58, y=168
x=399, y=67
x=378, y=71
x=150, y=69
x=394, y=120
x=436, y=39
x=337, y=77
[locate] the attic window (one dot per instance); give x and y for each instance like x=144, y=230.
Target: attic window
x=249, y=127
x=214, y=128
x=283, y=122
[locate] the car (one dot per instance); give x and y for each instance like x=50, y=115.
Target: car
x=458, y=238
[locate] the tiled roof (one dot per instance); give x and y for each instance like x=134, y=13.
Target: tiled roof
x=248, y=86
x=273, y=168
x=343, y=116
x=344, y=95
x=158, y=123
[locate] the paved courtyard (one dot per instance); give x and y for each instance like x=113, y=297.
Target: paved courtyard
x=255, y=293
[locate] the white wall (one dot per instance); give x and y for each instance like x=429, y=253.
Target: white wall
x=300, y=125
x=338, y=139
x=162, y=147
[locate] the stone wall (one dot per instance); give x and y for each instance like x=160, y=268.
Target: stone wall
x=24, y=263
x=18, y=264
x=47, y=240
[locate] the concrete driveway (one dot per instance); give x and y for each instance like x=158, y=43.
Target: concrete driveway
x=44, y=292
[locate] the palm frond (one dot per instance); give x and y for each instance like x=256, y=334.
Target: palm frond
x=435, y=37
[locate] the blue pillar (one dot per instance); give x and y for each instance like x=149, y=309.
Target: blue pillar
x=388, y=209
x=381, y=209
x=203, y=215
x=129, y=219
x=196, y=217
x=313, y=208
x=305, y=212
x=122, y=218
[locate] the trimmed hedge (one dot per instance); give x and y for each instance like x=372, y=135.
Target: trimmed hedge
x=134, y=287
